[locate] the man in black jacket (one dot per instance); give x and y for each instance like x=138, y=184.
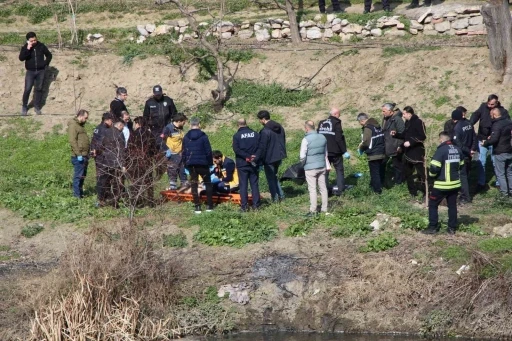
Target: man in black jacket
x=500, y=140
x=483, y=117
x=393, y=121
x=271, y=151
x=117, y=106
x=36, y=57
x=414, y=150
x=96, y=151
x=336, y=147
x=245, y=146
x=159, y=112
x=464, y=137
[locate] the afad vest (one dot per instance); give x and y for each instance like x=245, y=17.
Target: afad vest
x=377, y=145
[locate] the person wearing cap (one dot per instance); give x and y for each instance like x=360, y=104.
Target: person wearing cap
x=96, y=148
x=463, y=136
x=117, y=106
x=159, y=111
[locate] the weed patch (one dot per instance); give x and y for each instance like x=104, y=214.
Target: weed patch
x=456, y=254
x=382, y=242
x=496, y=245
x=391, y=51
x=233, y=229
x=350, y=222
x=175, y=240
x=32, y=230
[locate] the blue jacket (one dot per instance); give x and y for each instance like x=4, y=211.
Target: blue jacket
x=272, y=146
x=197, y=150
x=245, y=144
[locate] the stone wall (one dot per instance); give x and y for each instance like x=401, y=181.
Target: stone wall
x=463, y=20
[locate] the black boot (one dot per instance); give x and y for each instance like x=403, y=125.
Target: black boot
x=431, y=230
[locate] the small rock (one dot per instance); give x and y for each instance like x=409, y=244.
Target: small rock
x=416, y=25
x=303, y=33
x=257, y=26
x=503, y=231
x=468, y=10
x=286, y=23
x=400, y=26
x=461, y=32
x=314, y=33
x=394, y=33
x=344, y=22
x=391, y=23
x=286, y=32
x=276, y=34
x=142, y=30
x=357, y=29
x=460, y=24
x=437, y=15
x=375, y=224
x=262, y=35
x=450, y=14
x=276, y=26
x=413, y=31
x=442, y=27
x=424, y=16
x=182, y=22
x=245, y=26
x=348, y=29
x=450, y=32
x=161, y=30
x=336, y=21
x=201, y=24
x=141, y=39
x=317, y=17
x=150, y=28
x=428, y=27
x=376, y=32
x=430, y=32
x=226, y=35
x=245, y=34
x=414, y=262
x=328, y=33
x=476, y=20
x=336, y=28
x=308, y=23
x=345, y=37
x=366, y=33
x=183, y=29
x=331, y=17
x=462, y=269
x=427, y=20
x=437, y=20
x=476, y=28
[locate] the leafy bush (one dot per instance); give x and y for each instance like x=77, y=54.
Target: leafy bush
x=233, y=229
x=382, y=242
x=472, y=229
x=248, y=97
x=350, y=222
x=30, y=231
x=413, y=221
x=175, y=240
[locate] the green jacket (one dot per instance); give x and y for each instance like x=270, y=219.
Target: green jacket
x=78, y=138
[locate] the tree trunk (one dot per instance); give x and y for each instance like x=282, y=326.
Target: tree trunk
x=498, y=21
x=294, y=26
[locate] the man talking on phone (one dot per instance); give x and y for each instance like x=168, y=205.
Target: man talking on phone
x=36, y=57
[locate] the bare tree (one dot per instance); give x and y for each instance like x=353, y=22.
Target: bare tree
x=214, y=49
x=497, y=19
x=292, y=17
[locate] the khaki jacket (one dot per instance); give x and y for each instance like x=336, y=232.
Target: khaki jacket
x=78, y=138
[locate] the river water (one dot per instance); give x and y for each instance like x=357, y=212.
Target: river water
x=321, y=337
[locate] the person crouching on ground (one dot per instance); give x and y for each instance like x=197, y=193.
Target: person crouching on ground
x=313, y=155
x=373, y=145
x=224, y=169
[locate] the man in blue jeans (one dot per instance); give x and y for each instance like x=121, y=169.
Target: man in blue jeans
x=483, y=117
x=36, y=57
x=271, y=151
x=79, y=142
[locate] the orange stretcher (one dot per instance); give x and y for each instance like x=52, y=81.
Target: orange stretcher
x=174, y=195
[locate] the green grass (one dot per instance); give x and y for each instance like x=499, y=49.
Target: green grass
x=231, y=228
x=392, y=51
x=456, y=253
x=382, y=242
x=32, y=230
x=496, y=245
x=175, y=240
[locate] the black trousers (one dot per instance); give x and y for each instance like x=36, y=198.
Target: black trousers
x=335, y=5
x=397, y=164
x=434, y=199
x=246, y=175
x=464, y=179
x=337, y=163
x=368, y=5
x=108, y=186
x=412, y=186
x=376, y=174
x=33, y=79
x=204, y=172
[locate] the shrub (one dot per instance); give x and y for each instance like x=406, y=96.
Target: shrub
x=30, y=231
x=233, y=229
x=382, y=242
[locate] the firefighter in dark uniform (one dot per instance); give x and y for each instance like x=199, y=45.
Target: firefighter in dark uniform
x=96, y=147
x=445, y=170
x=245, y=146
